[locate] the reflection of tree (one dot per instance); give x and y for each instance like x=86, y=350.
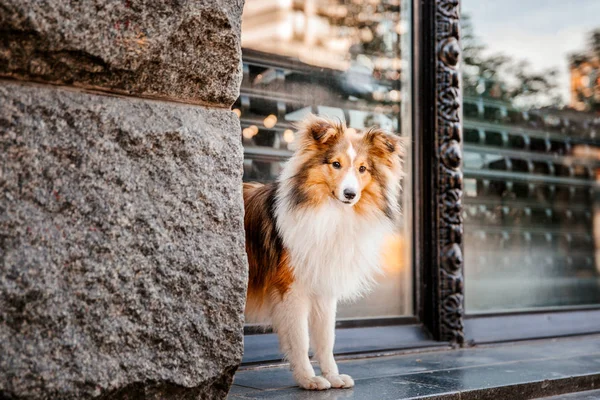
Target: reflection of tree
x=376, y=23
x=585, y=75
x=595, y=42
x=499, y=76
x=373, y=30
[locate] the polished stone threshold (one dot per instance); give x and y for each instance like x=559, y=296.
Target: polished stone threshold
x=511, y=371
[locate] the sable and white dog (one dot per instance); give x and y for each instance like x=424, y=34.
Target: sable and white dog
x=314, y=238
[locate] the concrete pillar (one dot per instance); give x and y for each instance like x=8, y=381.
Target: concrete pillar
x=122, y=263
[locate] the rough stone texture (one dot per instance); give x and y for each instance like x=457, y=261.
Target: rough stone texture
x=122, y=263
x=186, y=50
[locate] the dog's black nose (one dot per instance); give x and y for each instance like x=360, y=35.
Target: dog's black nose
x=349, y=194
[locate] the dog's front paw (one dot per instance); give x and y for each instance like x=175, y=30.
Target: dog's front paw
x=340, y=381
x=314, y=383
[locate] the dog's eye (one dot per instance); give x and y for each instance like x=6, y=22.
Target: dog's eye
x=362, y=169
x=336, y=165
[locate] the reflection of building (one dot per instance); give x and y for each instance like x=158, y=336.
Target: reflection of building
x=530, y=198
x=585, y=82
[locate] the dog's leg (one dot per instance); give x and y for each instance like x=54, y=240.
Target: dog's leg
x=290, y=320
x=322, y=333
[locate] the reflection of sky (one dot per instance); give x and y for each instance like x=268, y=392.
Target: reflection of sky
x=544, y=32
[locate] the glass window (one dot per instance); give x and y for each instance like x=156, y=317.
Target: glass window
x=531, y=81
x=336, y=58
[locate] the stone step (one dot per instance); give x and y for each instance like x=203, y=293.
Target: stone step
x=512, y=371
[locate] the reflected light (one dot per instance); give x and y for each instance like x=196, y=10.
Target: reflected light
x=340, y=11
x=394, y=95
x=378, y=96
x=338, y=45
x=366, y=35
x=393, y=75
x=250, y=131
x=285, y=30
x=586, y=151
x=585, y=80
x=394, y=257
x=288, y=136
x=237, y=112
x=382, y=63
x=247, y=133
x=401, y=28
x=270, y=121
x=285, y=4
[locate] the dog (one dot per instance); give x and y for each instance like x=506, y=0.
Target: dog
x=314, y=237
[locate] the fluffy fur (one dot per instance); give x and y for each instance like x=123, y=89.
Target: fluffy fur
x=314, y=238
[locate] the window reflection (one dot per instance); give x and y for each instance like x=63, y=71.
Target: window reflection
x=336, y=58
x=531, y=78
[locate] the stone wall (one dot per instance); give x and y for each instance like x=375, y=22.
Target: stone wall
x=122, y=263
x=185, y=50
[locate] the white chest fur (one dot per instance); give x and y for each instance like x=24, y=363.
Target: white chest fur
x=334, y=251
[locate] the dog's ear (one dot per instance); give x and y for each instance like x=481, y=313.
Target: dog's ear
x=385, y=146
x=321, y=130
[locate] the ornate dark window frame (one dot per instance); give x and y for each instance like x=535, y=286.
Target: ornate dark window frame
x=438, y=184
x=438, y=176
x=438, y=190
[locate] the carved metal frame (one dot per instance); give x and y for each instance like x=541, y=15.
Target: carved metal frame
x=438, y=176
